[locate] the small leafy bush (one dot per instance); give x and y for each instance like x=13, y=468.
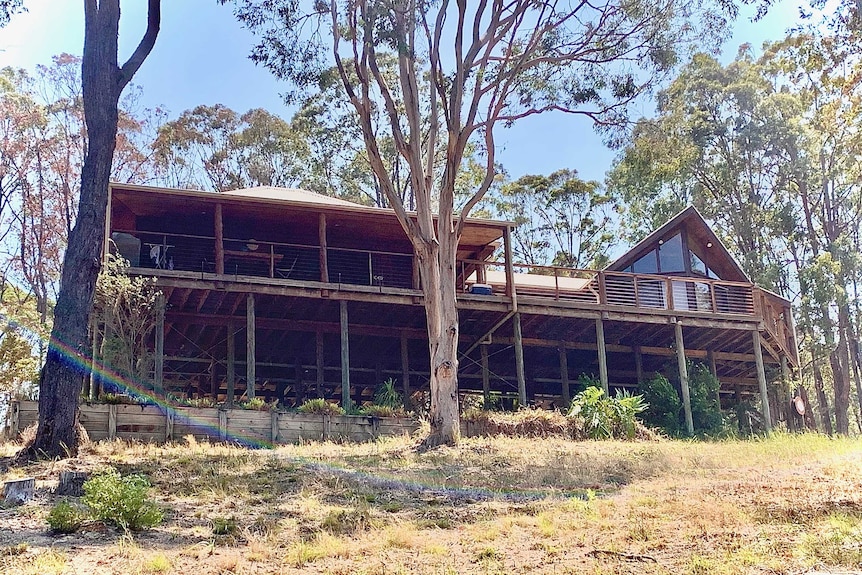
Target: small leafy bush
x=66, y=517
x=121, y=500
x=320, y=406
x=607, y=417
x=224, y=526
x=664, y=404
x=387, y=395
x=258, y=404
x=375, y=410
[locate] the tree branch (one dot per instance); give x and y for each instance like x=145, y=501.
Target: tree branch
x=154, y=18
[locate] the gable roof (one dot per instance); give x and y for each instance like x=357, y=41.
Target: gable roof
x=693, y=222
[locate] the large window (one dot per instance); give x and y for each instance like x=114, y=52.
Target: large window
x=646, y=264
x=670, y=255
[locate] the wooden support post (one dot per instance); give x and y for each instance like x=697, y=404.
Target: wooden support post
x=761, y=380
x=417, y=278
x=639, y=364
x=486, y=380
x=510, y=269
x=213, y=381
x=603, y=356
x=299, y=383
x=219, y=240
x=564, y=376
x=345, y=357
x=324, y=256
x=787, y=395
x=159, y=376
x=713, y=369
x=273, y=424
x=519, y=361
x=318, y=352
x=405, y=371
x=683, y=378
x=169, y=424
x=112, y=421
x=250, y=347
x=231, y=364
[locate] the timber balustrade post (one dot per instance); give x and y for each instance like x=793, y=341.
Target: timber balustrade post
x=219, y=240
x=510, y=269
x=683, y=377
x=250, y=347
x=761, y=380
x=324, y=256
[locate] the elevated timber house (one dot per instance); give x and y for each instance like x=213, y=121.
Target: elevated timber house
x=286, y=294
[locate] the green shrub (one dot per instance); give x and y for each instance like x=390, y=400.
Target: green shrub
x=66, y=517
x=224, y=526
x=703, y=391
x=387, y=395
x=375, y=410
x=320, y=406
x=607, y=417
x=664, y=404
x=258, y=404
x=121, y=500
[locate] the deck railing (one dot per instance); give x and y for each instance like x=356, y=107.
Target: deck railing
x=278, y=260
x=291, y=261
x=651, y=292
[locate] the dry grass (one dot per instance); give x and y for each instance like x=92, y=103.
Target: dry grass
x=785, y=504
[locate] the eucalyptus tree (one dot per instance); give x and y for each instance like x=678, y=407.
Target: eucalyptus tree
x=103, y=81
x=482, y=64
x=561, y=220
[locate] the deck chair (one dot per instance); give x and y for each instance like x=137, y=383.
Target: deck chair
x=284, y=273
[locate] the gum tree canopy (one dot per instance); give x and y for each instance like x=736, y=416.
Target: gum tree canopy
x=462, y=69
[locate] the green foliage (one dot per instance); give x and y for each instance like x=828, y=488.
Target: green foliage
x=381, y=411
x=387, y=395
x=224, y=525
x=703, y=391
x=321, y=406
x=125, y=309
x=258, y=404
x=607, y=417
x=664, y=404
x=66, y=517
x=122, y=500
x=562, y=219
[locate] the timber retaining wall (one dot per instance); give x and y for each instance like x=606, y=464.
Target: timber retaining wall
x=154, y=423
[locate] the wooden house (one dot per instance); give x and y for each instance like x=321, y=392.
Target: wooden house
x=287, y=294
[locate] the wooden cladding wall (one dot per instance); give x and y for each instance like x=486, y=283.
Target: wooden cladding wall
x=154, y=424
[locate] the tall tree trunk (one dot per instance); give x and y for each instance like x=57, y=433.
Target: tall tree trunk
x=66, y=363
x=822, y=401
x=437, y=268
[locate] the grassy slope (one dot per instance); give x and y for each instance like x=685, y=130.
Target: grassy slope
x=783, y=505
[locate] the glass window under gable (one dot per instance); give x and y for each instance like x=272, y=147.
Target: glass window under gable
x=670, y=255
x=646, y=264
x=697, y=265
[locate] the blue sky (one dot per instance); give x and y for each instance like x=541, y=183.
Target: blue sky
x=201, y=58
